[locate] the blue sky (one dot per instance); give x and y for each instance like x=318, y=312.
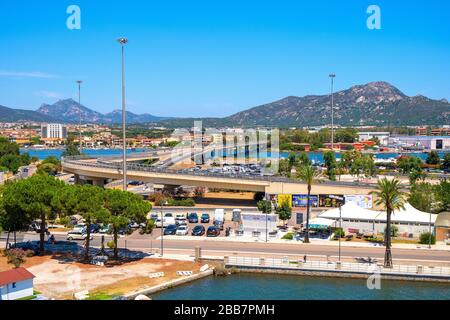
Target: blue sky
x=214, y=58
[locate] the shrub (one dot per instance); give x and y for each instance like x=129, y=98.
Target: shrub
x=288, y=236
x=16, y=257
x=425, y=238
x=181, y=203
x=394, y=231
x=339, y=232
x=65, y=221
x=111, y=244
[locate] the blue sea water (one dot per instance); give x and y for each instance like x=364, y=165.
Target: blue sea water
x=246, y=286
x=316, y=157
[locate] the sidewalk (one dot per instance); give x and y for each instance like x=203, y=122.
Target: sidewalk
x=438, y=247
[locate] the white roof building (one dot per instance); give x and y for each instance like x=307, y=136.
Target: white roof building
x=408, y=220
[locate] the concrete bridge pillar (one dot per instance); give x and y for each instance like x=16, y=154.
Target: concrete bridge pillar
x=98, y=182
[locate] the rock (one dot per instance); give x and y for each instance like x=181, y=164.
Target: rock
x=204, y=268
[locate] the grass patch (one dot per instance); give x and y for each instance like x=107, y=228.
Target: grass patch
x=288, y=236
x=102, y=296
x=35, y=292
x=27, y=298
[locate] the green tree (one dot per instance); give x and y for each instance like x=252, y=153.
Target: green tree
x=310, y=176
x=329, y=159
x=12, y=217
x=265, y=206
x=422, y=197
x=446, y=162
x=442, y=194
x=284, y=211
x=124, y=207
x=13, y=161
x=50, y=166
x=408, y=164
x=89, y=204
x=433, y=158
x=390, y=196
x=71, y=148
x=346, y=135
x=369, y=167
x=34, y=198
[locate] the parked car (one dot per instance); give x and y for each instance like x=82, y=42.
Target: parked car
x=105, y=229
x=124, y=231
x=180, y=219
x=213, y=232
x=77, y=235
x=170, y=229
x=95, y=228
x=134, y=225
x=218, y=224
x=198, y=230
x=36, y=227
x=154, y=216
x=193, y=217
x=204, y=218
x=168, y=214
x=182, y=230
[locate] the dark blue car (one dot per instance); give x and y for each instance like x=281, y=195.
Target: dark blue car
x=205, y=218
x=198, y=230
x=171, y=229
x=193, y=217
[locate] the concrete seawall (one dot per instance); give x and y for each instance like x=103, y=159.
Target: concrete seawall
x=168, y=285
x=338, y=274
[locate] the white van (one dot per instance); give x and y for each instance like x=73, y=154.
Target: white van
x=219, y=215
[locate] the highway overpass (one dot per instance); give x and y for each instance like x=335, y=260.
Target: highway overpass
x=97, y=171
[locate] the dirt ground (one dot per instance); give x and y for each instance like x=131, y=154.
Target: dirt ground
x=59, y=277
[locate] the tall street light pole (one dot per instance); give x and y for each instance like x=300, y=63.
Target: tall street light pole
x=332, y=76
x=123, y=42
x=79, y=82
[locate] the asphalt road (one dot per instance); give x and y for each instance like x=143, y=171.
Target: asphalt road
x=223, y=248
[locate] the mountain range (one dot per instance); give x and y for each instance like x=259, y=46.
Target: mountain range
x=375, y=103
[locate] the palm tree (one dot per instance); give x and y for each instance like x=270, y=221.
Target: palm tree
x=310, y=176
x=391, y=198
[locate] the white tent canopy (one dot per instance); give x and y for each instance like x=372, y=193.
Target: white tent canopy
x=321, y=222
x=409, y=214
x=351, y=211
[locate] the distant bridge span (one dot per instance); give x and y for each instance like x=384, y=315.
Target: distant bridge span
x=91, y=169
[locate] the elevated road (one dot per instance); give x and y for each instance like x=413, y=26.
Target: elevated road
x=98, y=170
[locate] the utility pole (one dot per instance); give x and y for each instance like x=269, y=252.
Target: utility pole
x=79, y=111
x=123, y=42
x=332, y=76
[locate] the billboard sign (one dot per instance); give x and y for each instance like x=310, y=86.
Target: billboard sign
x=362, y=201
x=328, y=201
x=301, y=200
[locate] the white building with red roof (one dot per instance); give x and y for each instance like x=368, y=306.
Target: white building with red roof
x=16, y=284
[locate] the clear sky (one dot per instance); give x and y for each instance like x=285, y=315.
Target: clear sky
x=217, y=57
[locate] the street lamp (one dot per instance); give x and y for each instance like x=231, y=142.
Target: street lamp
x=123, y=42
x=162, y=227
x=79, y=82
x=332, y=76
x=429, y=238
x=341, y=200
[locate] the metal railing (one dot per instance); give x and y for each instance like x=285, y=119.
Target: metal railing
x=335, y=266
